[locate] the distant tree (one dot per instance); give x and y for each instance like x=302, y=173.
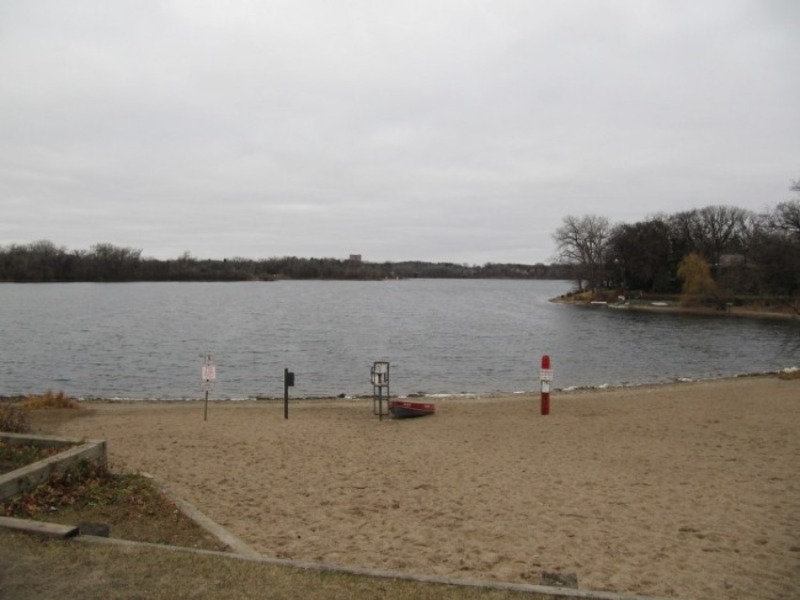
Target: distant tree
x=786, y=218
x=113, y=263
x=38, y=261
x=774, y=249
x=640, y=255
x=775, y=261
x=698, y=284
x=683, y=231
x=720, y=230
x=582, y=242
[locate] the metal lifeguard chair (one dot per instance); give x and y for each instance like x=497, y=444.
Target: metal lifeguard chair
x=379, y=376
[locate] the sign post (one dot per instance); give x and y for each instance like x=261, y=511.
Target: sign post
x=288, y=381
x=545, y=377
x=209, y=374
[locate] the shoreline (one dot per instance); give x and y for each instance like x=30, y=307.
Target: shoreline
x=671, y=307
x=789, y=372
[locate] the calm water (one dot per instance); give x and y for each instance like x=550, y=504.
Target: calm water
x=147, y=340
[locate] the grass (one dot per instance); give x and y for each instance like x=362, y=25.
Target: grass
x=129, y=504
x=49, y=399
x=135, y=510
x=12, y=419
x=41, y=569
x=15, y=411
x=788, y=375
x=15, y=456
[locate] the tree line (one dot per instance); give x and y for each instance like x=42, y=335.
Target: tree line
x=745, y=253
x=43, y=261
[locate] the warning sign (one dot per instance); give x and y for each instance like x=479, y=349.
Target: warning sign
x=209, y=372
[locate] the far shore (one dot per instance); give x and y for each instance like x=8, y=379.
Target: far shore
x=672, y=307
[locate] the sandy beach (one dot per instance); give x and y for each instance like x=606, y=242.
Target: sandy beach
x=688, y=490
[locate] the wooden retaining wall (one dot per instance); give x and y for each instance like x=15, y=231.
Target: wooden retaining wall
x=30, y=476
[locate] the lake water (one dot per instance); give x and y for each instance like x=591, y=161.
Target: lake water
x=147, y=340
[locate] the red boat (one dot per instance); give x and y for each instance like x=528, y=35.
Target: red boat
x=403, y=409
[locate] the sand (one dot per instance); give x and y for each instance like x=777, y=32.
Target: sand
x=687, y=490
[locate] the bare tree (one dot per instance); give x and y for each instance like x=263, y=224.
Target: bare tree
x=721, y=230
x=786, y=217
x=582, y=242
x=114, y=263
x=640, y=255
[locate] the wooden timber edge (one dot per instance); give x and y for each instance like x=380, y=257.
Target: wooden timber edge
x=31, y=475
x=40, y=528
x=50, y=530
x=542, y=590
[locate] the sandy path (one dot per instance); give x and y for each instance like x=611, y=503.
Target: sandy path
x=689, y=490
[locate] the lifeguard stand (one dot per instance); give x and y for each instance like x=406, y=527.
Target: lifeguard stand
x=379, y=376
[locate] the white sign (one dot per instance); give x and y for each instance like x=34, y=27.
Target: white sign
x=546, y=374
x=380, y=374
x=209, y=372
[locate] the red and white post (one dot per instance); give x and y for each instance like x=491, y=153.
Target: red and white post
x=545, y=377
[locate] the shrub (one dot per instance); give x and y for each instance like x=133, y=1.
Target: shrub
x=49, y=400
x=13, y=420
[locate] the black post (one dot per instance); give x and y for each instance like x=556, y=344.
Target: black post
x=288, y=381
x=205, y=412
x=286, y=393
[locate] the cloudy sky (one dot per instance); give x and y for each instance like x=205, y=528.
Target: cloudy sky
x=443, y=130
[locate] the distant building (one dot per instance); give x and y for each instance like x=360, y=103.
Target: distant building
x=355, y=257
x=732, y=260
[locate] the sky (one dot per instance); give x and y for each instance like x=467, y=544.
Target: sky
x=440, y=130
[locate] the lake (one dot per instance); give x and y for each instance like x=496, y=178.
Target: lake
x=148, y=340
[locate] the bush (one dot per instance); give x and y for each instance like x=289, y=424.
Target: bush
x=49, y=400
x=13, y=420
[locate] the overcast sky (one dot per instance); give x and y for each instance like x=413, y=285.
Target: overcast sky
x=442, y=130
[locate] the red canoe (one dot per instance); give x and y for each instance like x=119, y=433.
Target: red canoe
x=403, y=409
